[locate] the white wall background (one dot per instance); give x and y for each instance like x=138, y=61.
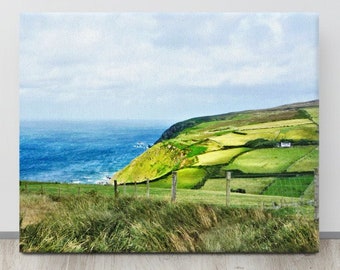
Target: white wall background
x=329, y=12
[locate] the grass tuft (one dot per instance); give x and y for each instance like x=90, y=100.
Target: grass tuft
x=96, y=224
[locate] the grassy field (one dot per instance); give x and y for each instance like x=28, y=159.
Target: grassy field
x=156, y=162
x=219, y=157
x=309, y=193
x=235, y=139
x=64, y=189
x=289, y=187
x=187, y=178
x=303, y=132
x=211, y=145
x=307, y=163
x=95, y=223
x=250, y=185
x=276, y=124
x=313, y=113
x=207, y=194
x=269, y=160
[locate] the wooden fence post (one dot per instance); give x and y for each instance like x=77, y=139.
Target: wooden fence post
x=316, y=193
x=173, y=186
x=115, y=188
x=147, y=187
x=228, y=178
x=42, y=189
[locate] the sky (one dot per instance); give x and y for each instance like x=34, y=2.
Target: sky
x=165, y=66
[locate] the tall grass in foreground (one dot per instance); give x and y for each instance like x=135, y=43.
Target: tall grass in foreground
x=94, y=223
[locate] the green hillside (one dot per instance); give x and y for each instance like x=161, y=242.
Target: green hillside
x=270, y=160
x=157, y=161
x=247, y=142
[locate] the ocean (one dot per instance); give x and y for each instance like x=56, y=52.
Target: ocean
x=82, y=151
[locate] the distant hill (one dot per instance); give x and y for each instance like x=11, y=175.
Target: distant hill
x=283, y=139
x=175, y=129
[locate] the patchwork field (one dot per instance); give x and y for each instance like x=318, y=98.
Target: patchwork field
x=276, y=124
x=289, y=187
x=307, y=163
x=241, y=138
x=269, y=160
x=202, y=149
x=219, y=157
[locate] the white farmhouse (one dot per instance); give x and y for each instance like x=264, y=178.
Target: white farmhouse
x=285, y=144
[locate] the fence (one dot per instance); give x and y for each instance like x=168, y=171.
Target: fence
x=282, y=192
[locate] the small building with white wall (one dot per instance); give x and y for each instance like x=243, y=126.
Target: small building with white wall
x=285, y=144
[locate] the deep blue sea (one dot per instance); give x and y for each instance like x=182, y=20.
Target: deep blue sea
x=82, y=152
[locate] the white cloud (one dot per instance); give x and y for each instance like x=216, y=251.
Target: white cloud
x=124, y=59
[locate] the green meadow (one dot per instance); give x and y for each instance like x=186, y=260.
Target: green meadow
x=219, y=157
x=273, y=160
x=250, y=185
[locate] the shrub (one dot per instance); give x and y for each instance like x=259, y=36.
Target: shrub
x=261, y=143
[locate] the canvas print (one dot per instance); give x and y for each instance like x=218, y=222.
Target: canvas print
x=169, y=133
